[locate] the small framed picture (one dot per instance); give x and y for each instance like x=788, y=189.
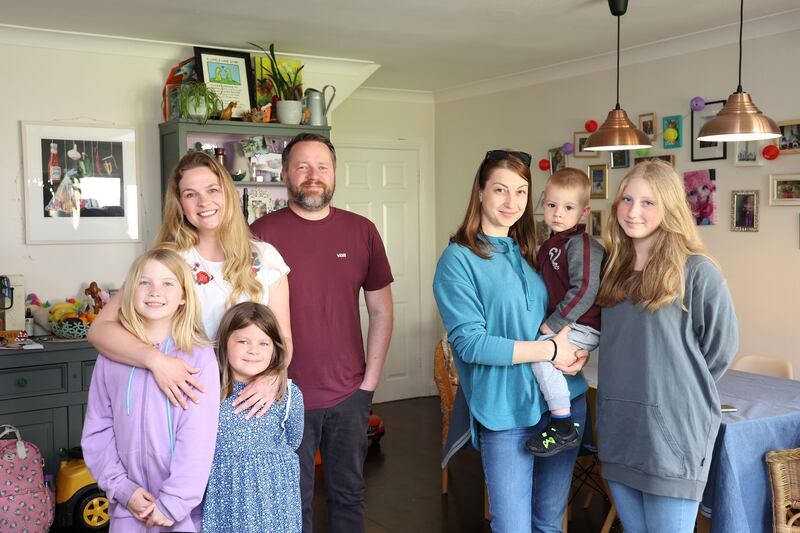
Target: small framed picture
x=578, y=142
x=229, y=74
x=647, y=123
x=701, y=194
x=704, y=150
x=744, y=210
x=541, y=229
x=789, y=143
x=784, y=189
x=598, y=176
x=669, y=158
x=558, y=159
x=672, y=131
x=597, y=221
x=620, y=159
x=748, y=154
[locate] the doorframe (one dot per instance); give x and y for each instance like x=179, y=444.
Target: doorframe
x=430, y=330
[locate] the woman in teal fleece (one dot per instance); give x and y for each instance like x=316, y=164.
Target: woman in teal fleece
x=669, y=333
x=492, y=302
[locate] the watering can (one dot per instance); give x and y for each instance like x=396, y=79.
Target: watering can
x=314, y=101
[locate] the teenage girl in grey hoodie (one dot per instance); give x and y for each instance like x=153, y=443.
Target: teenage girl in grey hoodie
x=669, y=333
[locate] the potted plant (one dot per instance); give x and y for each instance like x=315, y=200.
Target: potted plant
x=198, y=101
x=286, y=87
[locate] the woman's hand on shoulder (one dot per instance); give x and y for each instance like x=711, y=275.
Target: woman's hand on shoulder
x=257, y=396
x=176, y=379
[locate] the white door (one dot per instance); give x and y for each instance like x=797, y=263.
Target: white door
x=382, y=184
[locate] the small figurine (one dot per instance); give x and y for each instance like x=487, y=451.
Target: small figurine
x=227, y=113
x=94, y=292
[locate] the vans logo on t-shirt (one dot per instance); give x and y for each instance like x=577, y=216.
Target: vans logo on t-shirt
x=341, y=255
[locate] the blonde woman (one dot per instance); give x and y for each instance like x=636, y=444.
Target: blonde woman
x=669, y=333
x=203, y=223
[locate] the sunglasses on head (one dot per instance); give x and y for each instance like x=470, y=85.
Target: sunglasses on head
x=500, y=155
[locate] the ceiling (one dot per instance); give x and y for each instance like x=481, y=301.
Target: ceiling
x=420, y=44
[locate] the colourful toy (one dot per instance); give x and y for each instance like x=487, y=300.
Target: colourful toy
x=79, y=501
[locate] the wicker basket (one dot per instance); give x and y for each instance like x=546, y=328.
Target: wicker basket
x=784, y=474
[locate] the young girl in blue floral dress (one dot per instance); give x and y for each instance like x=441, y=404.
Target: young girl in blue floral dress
x=255, y=478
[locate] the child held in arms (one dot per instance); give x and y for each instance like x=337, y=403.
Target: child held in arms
x=569, y=262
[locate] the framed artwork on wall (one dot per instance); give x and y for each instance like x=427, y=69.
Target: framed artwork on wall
x=620, y=158
x=542, y=231
x=578, y=142
x=744, y=210
x=672, y=131
x=701, y=193
x=598, y=176
x=784, y=189
x=669, y=158
x=647, y=123
x=230, y=75
x=789, y=143
x=557, y=158
x=748, y=154
x=597, y=220
x=704, y=150
x=81, y=183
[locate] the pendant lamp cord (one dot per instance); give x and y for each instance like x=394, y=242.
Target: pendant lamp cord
x=741, y=25
x=618, y=27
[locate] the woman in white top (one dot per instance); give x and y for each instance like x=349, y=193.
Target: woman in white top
x=203, y=222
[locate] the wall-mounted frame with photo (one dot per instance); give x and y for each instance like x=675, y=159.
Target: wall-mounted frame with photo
x=81, y=183
x=744, y=210
x=748, y=154
x=669, y=158
x=784, y=189
x=704, y=150
x=620, y=158
x=596, y=223
x=701, y=194
x=229, y=74
x=672, y=131
x=541, y=229
x=578, y=142
x=789, y=143
x=647, y=123
x=598, y=176
x=557, y=158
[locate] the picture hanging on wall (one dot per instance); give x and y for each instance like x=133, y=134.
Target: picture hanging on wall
x=789, y=143
x=558, y=159
x=80, y=183
x=784, y=189
x=704, y=150
x=748, y=154
x=669, y=158
x=597, y=220
x=579, y=139
x=701, y=193
x=672, y=131
x=620, y=158
x=542, y=231
x=744, y=211
x=598, y=176
x=647, y=123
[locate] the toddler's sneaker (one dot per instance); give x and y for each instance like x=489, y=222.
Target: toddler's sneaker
x=550, y=442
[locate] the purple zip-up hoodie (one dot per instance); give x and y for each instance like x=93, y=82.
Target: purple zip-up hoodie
x=133, y=437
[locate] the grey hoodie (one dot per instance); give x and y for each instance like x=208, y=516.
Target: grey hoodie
x=658, y=407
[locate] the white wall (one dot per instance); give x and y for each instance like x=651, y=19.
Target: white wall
x=762, y=268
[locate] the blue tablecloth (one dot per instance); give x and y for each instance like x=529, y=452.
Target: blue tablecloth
x=738, y=497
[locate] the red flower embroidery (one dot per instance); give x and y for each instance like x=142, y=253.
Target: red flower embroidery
x=201, y=278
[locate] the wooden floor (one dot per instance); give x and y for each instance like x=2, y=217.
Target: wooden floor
x=403, y=481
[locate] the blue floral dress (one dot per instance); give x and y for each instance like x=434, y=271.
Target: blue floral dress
x=254, y=485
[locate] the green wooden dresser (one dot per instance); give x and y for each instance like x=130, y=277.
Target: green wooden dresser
x=44, y=393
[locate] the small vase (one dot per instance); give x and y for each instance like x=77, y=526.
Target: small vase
x=239, y=163
x=290, y=111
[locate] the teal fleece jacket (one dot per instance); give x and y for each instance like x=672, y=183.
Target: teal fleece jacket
x=487, y=304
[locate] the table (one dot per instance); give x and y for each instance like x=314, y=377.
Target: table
x=738, y=496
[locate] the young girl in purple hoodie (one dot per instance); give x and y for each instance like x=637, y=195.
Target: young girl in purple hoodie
x=153, y=459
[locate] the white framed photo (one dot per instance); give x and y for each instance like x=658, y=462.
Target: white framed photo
x=81, y=183
x=748, y=154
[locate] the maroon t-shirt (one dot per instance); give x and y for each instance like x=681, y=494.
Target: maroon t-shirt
x=331, y=260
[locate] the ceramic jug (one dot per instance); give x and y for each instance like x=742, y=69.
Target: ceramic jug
x=314, y=101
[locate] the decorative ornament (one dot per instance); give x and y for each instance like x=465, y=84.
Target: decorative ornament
x=643, y=152
x=590, y=125
x=567, y=148
x=770, y=152
x=697, y=103
x=544, y=164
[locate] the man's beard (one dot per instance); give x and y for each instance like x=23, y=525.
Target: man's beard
x=311, y=201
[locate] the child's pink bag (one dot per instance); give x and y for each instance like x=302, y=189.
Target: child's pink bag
x=26, y=503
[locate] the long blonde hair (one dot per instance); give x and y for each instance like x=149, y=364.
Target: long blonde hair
x=187, y=331
x=240, y=316
x=469, y=233
x=177, y=233
x=662, y=279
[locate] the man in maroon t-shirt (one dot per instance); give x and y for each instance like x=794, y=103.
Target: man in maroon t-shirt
x=332, y=254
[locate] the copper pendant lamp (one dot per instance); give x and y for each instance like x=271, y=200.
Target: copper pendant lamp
x=617, y=132
x=739, y=119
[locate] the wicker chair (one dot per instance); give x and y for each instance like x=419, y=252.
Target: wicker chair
x=784, y=474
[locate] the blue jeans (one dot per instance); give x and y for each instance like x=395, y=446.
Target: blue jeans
x=642, y=512
x=527, y=493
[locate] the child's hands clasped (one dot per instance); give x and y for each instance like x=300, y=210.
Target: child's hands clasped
x=141, y=504
x=157, y=518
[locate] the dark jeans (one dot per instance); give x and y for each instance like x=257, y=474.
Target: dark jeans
x=340, y=433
